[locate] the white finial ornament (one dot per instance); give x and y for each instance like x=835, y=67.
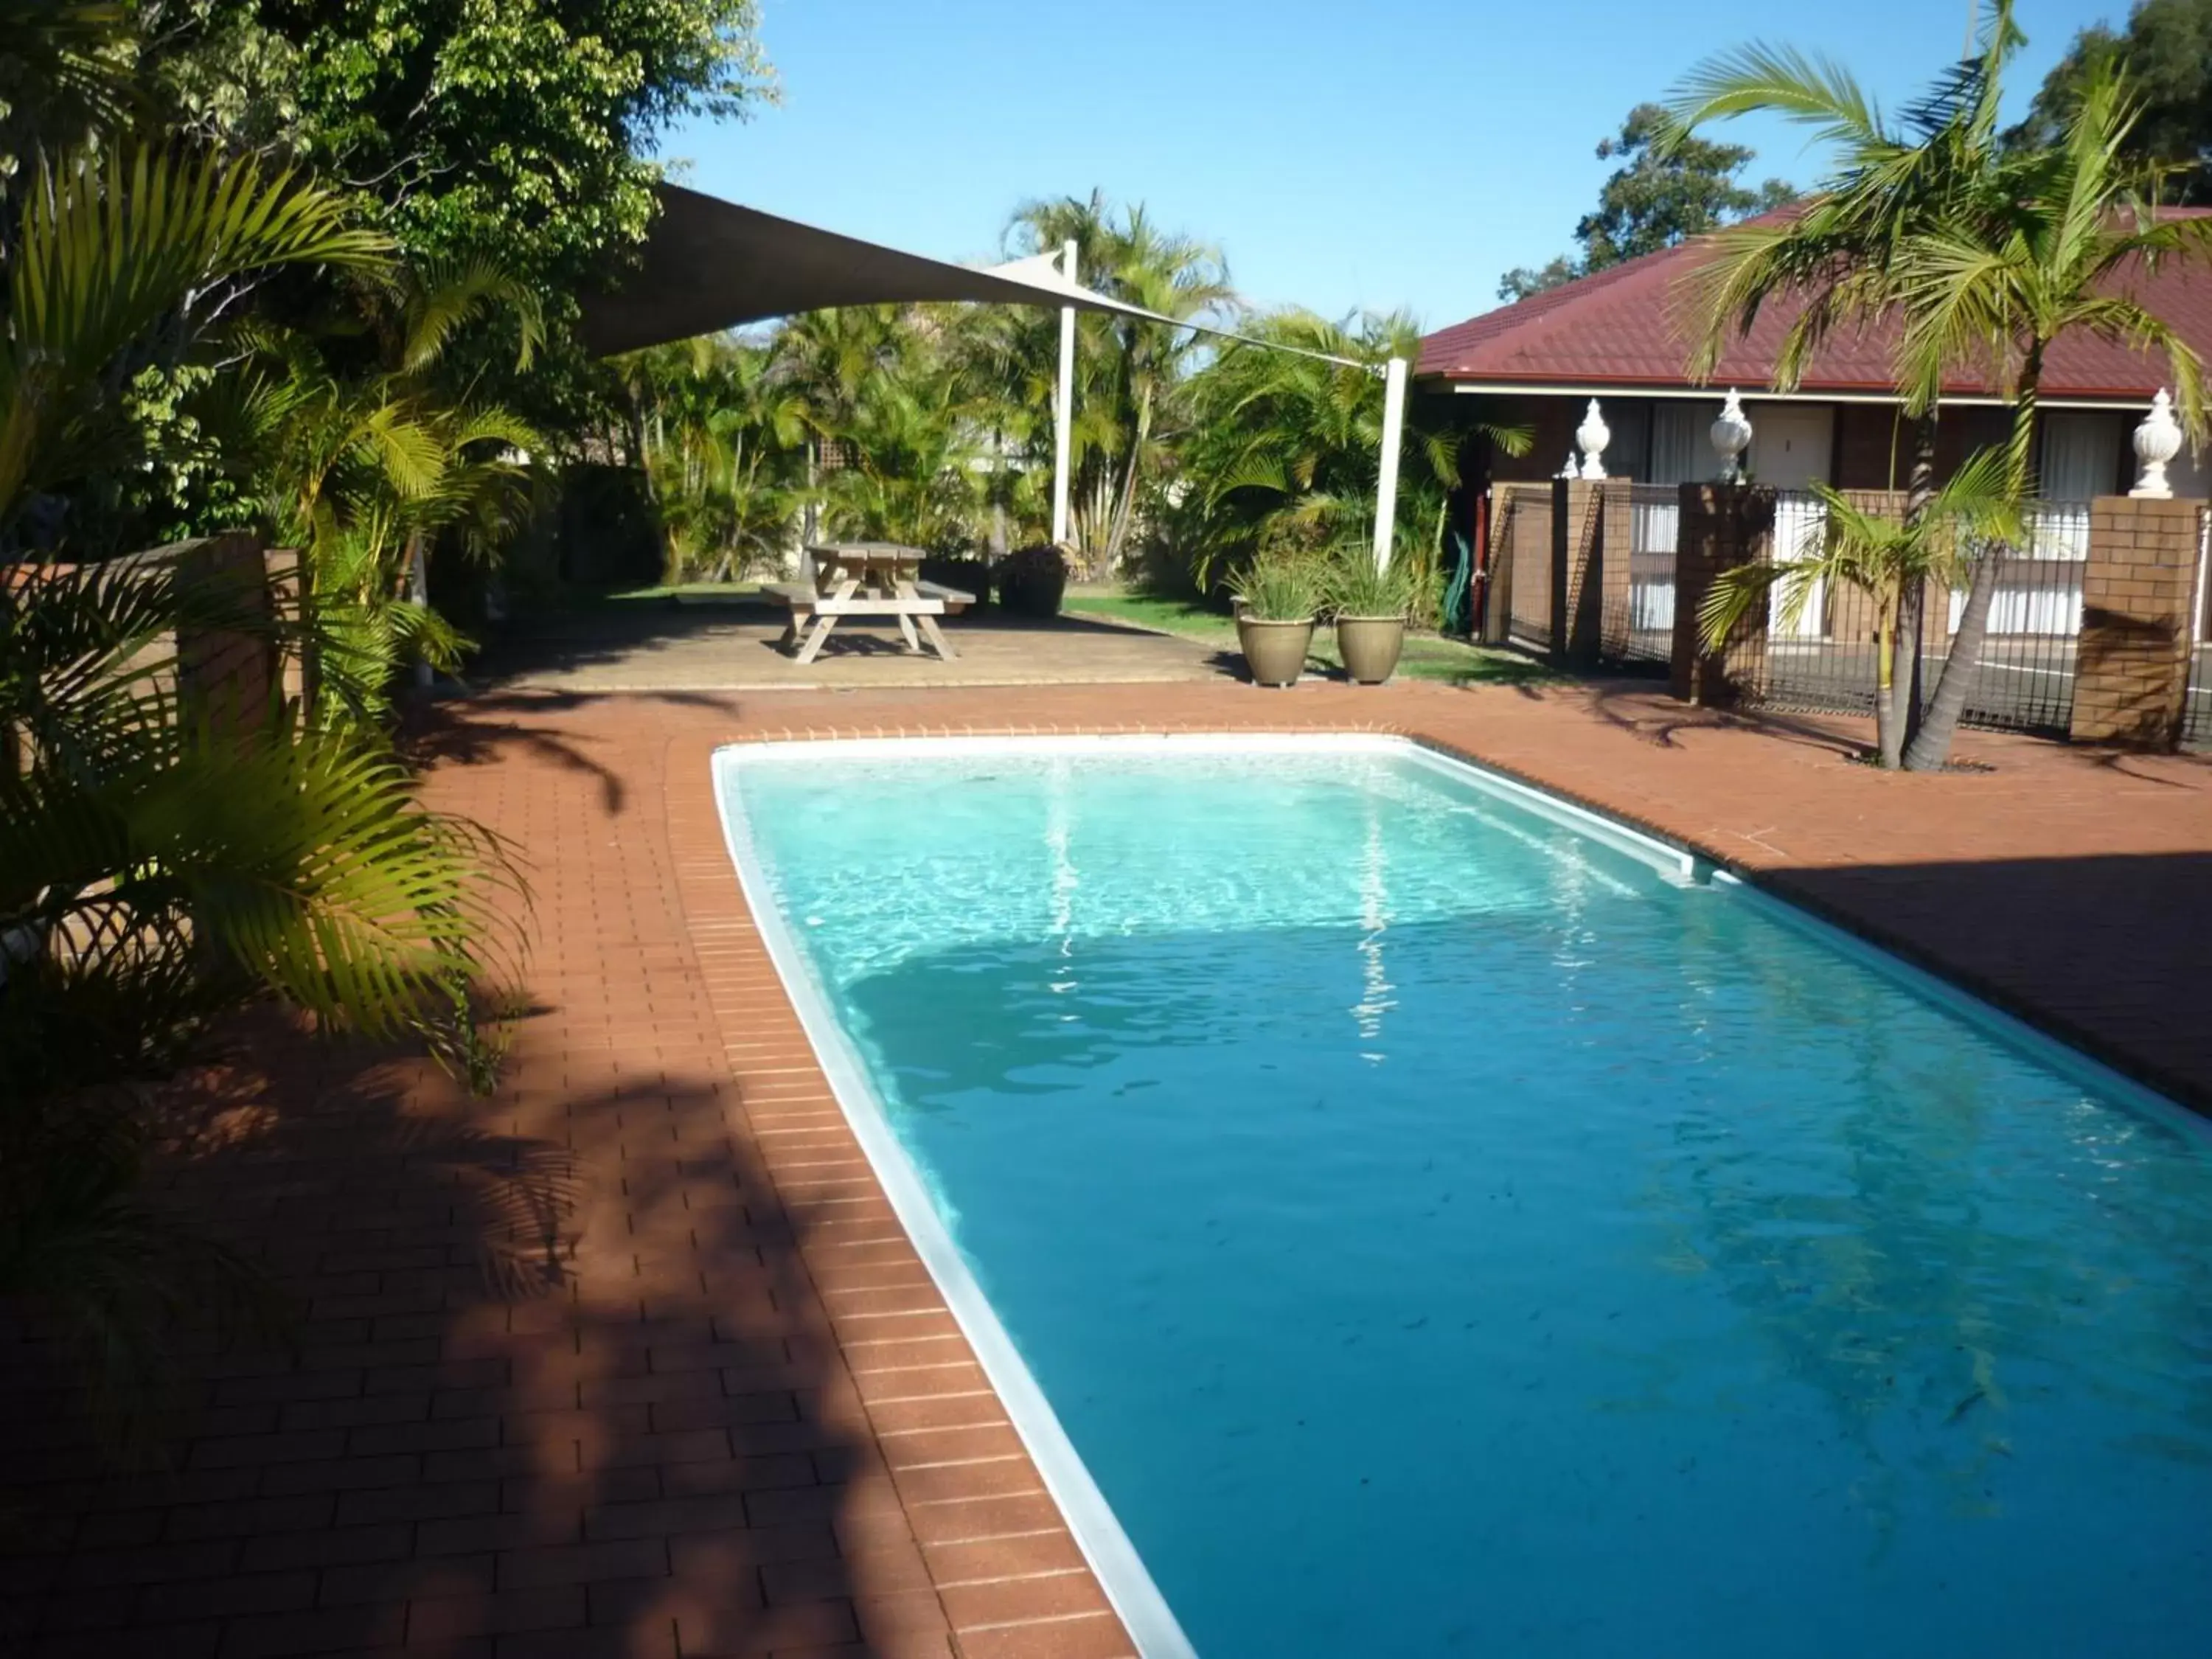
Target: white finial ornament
x=1593, y=435
x=1730, y=435
x=2157, y=440
x=1570, y=471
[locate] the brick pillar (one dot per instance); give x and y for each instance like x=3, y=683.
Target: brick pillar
x=1577, y=571
x=298, y=672
x=226, y=650
x=1723, y=526
x=1495, y=625
x=2131, y=668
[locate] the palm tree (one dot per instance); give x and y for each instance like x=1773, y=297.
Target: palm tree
x=1288, y=438
x=831, y=359
x=364, y=471
x=1887, y=559
x=915, y=476
x=2049, y=249
x=1131, y=376
x=111, y=247
x=1980, y=256
x=157, y=873
x=721, y=435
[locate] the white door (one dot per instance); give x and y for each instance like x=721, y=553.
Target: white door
x=1790, y=446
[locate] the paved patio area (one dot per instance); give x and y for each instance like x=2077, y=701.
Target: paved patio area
x=660, y=644
x=632, y=1358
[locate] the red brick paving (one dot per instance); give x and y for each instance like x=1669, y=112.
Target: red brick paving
x=632, y=1358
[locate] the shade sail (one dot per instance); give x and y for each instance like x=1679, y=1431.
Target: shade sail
x=710, y=264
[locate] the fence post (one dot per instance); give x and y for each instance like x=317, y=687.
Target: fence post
x=1721, y=525
x=2131, y=665
x=1495, y=624
x=298, y=672
x=225, y=655
x=1578, y=571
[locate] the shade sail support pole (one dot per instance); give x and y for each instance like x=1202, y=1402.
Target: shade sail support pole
x=1386, y=485
x=1063, y=406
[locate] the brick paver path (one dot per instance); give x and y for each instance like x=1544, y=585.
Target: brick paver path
x=631, y=1357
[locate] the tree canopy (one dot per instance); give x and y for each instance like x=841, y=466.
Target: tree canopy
x=1657, y=197
x=2166, y=52
x=522, y=129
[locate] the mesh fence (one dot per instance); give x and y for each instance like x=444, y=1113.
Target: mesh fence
x=1822, y=650
x=1637, y=624
x=1525, y=533
x=2197, y=708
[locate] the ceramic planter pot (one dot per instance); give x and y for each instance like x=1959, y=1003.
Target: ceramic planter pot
x=1275, y=652
x=1032, y=582
x=1370, y=647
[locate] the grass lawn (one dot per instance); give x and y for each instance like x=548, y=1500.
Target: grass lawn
x=1428, y=656
x=690, y=593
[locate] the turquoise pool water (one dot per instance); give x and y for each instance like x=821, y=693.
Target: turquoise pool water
x=1439, y=1231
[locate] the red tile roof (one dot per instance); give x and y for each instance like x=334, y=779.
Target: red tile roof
x=1619, y=327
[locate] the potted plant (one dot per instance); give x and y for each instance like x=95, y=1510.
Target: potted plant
x=1277, y=598
x=1033, y=581
x=1369, y=606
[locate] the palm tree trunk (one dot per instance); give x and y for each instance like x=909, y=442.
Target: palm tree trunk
x=1124, y=509
x=1912, y=611
x=1888, y=739
x=810, y=516
x=1932, y=747
x=998, y=495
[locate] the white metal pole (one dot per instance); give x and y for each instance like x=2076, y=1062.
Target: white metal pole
x=1386, y=488
x=1063, y=407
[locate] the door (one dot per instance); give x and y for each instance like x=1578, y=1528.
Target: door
x=1790, y=448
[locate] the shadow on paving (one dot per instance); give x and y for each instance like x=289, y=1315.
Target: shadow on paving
x=494, y=727
x=565, y=1379
x=616, y=634
x=2112, y=953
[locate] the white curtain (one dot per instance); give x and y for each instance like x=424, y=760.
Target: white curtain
x=1676, y=450
x=2081, y=455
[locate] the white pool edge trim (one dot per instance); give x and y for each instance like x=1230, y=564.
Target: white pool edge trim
x=1114, y=1560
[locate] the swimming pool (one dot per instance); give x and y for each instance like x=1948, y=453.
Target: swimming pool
x=1440, y=1222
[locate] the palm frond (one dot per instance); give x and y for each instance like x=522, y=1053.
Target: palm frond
x=1806, y=87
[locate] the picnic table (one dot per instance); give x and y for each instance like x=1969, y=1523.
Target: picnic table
x=866, y=579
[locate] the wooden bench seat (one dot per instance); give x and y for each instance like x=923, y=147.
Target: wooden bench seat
x=955, y=600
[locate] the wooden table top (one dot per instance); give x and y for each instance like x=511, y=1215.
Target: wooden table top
x=867, y=552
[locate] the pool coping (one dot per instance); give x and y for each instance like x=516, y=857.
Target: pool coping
x=1113, y=1558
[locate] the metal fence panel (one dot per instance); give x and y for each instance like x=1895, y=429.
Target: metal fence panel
x=1820, y=640
x=1821, y=652
x=1527, y=532
x=2024, y=673
x=1637, y=624
x=2196, y=706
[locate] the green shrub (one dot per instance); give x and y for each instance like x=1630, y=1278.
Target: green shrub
x=1281, y=587
x=1356, y=588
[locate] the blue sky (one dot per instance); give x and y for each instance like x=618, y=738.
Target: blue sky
x=1379, y=153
